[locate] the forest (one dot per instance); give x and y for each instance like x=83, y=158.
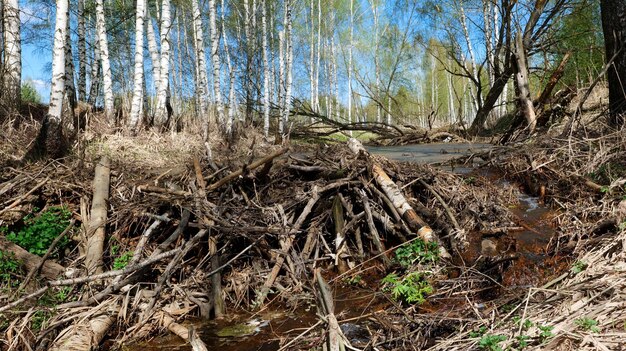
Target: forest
x=312, y=175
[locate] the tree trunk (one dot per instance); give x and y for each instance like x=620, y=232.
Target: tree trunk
x=136, y=105
x=350, y=62
x=95, y=73
x=12, y=74
x=82, y=53
x=107, y=80
x=161, y=115
x=289, y=64
x=232, y=109
x=521, y=77
x=614, y=28
x=215, y=58
x=266, y=72
x=51, y=134
x=202, y=80
x=70, y=87
x=98, y=218
x=155, y=56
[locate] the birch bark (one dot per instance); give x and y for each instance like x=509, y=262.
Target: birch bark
x=216, y=61
x=107, y=81
x=202, y=80
x=136, y=105
x=266, y=72
x=12, y=54
x=161, y=114
x=82, y=53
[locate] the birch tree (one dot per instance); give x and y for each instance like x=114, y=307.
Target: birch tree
x=202, y=81
x=82, y=52
x=288, y=68
x=161, y=115
x=215, y=59
x=107, y=81
x=12, y=74
x=136, y=105
x=51, y=129
x=266, y=71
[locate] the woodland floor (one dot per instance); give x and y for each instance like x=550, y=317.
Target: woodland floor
x=535, y=232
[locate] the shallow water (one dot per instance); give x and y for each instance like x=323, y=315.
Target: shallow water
x=428, y=153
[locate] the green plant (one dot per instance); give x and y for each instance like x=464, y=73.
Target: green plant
x=10, y=268
x=545, y=332
x=354, y=280
x=588, y=324
x=417, y=251
x=41, y=230
x=29, y=93
x=578, y=267
x=478, y=333
x=526, y=324
x=122, y=261
x=39, y=319
x=522, y=341
x=413, y=288
x=491, y=342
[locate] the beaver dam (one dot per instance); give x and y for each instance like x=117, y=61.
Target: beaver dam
x=259, y=247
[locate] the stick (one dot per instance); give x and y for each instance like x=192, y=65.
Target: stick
x=21, y=198
x=372, y=227
x=252, y=166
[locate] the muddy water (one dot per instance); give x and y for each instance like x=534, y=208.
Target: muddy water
x=263, y=331
x=428, y=153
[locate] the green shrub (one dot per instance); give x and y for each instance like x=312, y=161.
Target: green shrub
x=588, y=324
x=122, y=261
x=10, y=268
x=413, y=288
x=39, y=232
x=491, y=342
x=417, y=252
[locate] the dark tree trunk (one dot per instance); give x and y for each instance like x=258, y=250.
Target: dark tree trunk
x=614, y=28
x=478, y=125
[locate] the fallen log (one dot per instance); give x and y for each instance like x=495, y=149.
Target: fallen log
x=49, y=269
x=86, y=334
x=98, y=218
x=393, y=192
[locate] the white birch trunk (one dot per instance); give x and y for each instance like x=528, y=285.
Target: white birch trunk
x=12, y=54
x=376, y=63
x=281, y=78
x=94, y=89
x=202, y=80
x=266, y=72
x=161, y=113
x=470, y=50
x=57, y=88
x=70, y=87
x=311, y=56
x=136, y=105
x=155, y=56
x=216, y=61
x=288, y=66
x=232, y=110
x=107, y=80
x=319, y=49
x=82, y=53
x=350, y=62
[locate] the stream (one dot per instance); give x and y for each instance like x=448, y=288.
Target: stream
x=265, y=330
